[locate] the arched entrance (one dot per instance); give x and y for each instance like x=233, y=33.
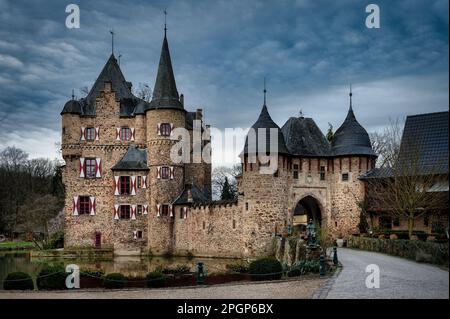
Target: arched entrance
x=307, y=208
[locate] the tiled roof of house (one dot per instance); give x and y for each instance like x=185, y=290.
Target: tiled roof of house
x=197, y=195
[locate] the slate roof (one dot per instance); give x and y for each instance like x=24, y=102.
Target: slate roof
x=351, y=138
x=134, y=159
x=425, y=140
x=165, y=94
x=197, y=195
x=110, y=73
x=265, y=121
x=304, y=138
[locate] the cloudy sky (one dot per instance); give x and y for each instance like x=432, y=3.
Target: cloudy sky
x=221, y=50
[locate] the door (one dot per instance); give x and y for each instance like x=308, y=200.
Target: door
x=98, y=240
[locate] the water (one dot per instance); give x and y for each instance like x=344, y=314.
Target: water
x=129, y=266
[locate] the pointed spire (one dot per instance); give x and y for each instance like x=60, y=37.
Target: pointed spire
x=165, y=94
x=112, y=41
x=265, y=91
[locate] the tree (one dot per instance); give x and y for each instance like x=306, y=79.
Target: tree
x=330, y=133
x=407, y=188
x=222, y=174
x=143, y=92
x=228, y=192
x=386, y=144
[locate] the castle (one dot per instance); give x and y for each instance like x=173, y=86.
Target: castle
x=123, y=190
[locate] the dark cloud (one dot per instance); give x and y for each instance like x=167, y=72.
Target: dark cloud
x=309, y=51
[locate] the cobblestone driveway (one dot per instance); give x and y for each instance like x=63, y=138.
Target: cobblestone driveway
x=399, y=278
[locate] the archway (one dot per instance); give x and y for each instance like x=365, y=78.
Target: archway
x=307, y=208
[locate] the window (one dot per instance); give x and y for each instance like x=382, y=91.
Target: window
x=89, y=167
x=295, y=171
x=345, y=177
x=322, y=173
x=84, y=205
x=165, y=129
x=89, y=133
x=139, y=234
x=139, y=209
x=125, y=185
x=139, y=182
x=125, y=212
x=165, y=172
x=396, y=222
x=64, y=130
x=385, y=222
x=426, y=220
x=165, y=210
x=246, y=206
x=234, y=224
x=204, y=224
x=125, y=133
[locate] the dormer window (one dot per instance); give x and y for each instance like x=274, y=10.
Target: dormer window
x=345, y=177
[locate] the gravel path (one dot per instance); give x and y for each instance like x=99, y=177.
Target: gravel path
x=399, y=278
x=295, y=289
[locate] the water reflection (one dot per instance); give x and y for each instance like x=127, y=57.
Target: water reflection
x=130, y=266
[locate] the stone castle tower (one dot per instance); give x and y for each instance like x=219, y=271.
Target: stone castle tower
x=119, y=174
x=124, y=191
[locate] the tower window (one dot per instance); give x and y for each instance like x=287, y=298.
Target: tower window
x=139, y=182
x=165, y=210
x=125, y=133
x=89, y=133
x=84, y=205
x=139, y=234
x=234, y=224
x=295, y=171
x=165, y=172
x=165, y=129
x=139, y=209
x=89, y=167
x=125, y=185
x=125, y=212
x=322, y=173
x=246, y=206
x=204, y=225
x=345, y=177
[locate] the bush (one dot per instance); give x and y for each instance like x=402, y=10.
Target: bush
x=182, y=269
x=155, y=279
x=114, y=281
x=238, y=267
x=304, y=267
x=265, y=269
x=18, y=281
x=51, y=277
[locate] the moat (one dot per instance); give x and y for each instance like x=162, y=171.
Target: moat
x=130, y=266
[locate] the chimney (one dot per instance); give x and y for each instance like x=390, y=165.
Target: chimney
x=199, y=114
x=182, y=100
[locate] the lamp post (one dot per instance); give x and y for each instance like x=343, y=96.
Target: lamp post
x=200, y=273
x=322, y=269
x=335, y=258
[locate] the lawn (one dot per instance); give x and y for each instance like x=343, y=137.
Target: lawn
x=10, y=245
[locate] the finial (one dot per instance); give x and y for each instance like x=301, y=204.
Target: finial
x=350, y=95
x=265, y=91
x=165, y=22
x=73, y=94
x=120, y=55
x=112, y=41
x=300, y=113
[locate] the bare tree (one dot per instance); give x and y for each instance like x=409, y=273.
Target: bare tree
x=386, y=144
x=408, y=189
x=143, y=92
x=223, y=174
x=84, y=90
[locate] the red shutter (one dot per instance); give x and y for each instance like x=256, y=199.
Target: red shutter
x=144, y=181
x=158, y=128
x=158, y=172
x=82, y=133
x=92, y=205
x=75, y=205
x=133, y=185
x=116, y=185
x=145, y=209
x=117, y=133
x=171, y=129
x=97, y=133
x=116, y=211
x=158, y=210
x=133, y=212
x=170, y=210
x=171, y=172
x=132, y=134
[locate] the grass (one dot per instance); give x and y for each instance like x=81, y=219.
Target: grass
x=7, y=245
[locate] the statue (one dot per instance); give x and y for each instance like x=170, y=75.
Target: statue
x=311, y=234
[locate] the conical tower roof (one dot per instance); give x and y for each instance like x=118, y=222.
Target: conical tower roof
x=351, y=138
x=165, y=94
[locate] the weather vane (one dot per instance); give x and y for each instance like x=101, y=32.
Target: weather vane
x=165, y=21
x=265, y=91
x=112, y=40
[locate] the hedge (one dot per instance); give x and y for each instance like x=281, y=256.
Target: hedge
x=436, y=253
x=114, y=281
x=51, y=277
x=265, y=269
x=18, y=281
